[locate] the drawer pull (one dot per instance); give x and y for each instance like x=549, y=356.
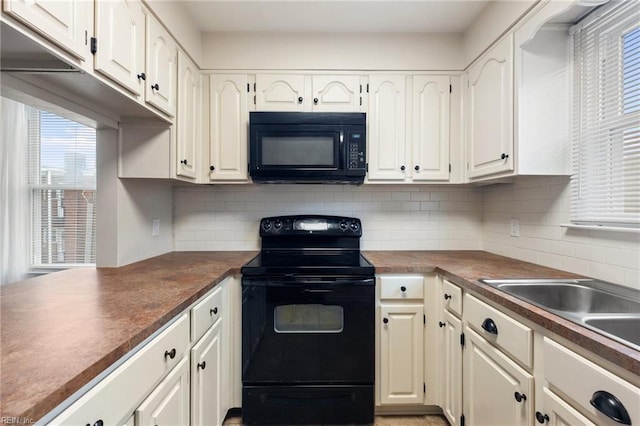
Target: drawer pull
x=385, y=320
x=202, y=364
x=447, y=296
x=171, y=354
x=213, y=311
x=490, y=327
x=541, y=418
x=403, y=289
x=520, y=396
x=610, y=406
x=97, y=423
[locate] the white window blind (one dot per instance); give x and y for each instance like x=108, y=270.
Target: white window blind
x=61, y=172
x=606, y=109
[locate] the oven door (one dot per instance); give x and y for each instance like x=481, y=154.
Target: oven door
x=310, y=332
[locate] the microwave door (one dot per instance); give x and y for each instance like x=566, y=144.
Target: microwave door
x=299, y=150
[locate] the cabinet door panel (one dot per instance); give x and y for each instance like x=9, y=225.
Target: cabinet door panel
x=560, y=413
x=490, y=118
x=168, y=404
x=491, y=381
x=336, y=93
x=452, y=369
x=431, y=99
x=228, y=132
x=401, y=355
x=206, y=378
x=68, y=23
x=387, y=127
x=280, y=92
x=161, y=67
x=120, y=30
x=188, y=125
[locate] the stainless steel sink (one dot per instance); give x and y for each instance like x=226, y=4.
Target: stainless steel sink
x=606, y=308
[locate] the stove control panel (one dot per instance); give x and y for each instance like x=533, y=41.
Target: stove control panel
x=310, y=225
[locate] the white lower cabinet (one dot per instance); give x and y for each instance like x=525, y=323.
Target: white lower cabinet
x=451, y=371
x=168, y=404
x=559, y=413
x=206, y=376
x=496, y=390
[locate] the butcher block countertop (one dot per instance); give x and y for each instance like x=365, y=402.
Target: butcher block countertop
x=59, y=331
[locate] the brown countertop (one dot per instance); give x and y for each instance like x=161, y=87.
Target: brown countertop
x=61, y=330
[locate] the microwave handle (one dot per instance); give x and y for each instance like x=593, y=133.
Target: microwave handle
x=343, y=151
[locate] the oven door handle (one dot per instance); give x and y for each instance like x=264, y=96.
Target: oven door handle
x=313, y=290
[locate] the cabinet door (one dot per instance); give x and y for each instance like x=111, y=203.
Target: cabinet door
x=401, y=354
x=451, y=368
x=68, y=23
x=561, y=413
x=387, y=99
x=430, y=125
x=336, y=93
x=491, y=382
x=161, y=67
x=280, y=92
x=228, y=128
x=168, y=404
x=206, y=378
x=188, y=117
x=120, y=32
x=490, y=114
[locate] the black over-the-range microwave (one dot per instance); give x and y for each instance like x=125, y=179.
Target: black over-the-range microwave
x=307, y=147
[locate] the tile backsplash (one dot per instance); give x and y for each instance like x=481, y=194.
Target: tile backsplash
x=394, y=217
x=541, y=204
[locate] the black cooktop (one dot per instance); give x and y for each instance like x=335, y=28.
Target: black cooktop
x=316, y=262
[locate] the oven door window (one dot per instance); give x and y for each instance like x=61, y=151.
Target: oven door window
x=308, y=318
x=304, y=149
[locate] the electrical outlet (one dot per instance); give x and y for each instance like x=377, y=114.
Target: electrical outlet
x=515, y=227
x=155, y=231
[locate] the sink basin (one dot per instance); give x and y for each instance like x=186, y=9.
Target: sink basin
x=624, y=327
x=606, y=308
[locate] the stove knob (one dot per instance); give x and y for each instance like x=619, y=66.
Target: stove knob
x=277, y=224
x=354, y=226
x=266, y=225
x=343, y=225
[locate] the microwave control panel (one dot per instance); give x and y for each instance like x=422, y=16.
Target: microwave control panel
x=355, y=153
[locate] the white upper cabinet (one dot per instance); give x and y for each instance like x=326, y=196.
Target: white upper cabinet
x=161, y=67
x=300, y=92
x=490, y=112
x=430, y=128
x=189, y=118
x=229, y=116
x=68, y=23
x=280, y=92
x=120, y=33
x=336, y=93
x=387, y=127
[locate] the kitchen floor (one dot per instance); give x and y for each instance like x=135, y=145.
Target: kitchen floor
x=431, y=420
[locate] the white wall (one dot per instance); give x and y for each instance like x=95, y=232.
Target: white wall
x=541, y=204
x=126, y=208
x=329, y=51
x=393, y=217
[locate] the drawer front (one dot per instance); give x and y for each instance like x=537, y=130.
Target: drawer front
x=452, y=297
x=581, y=380
x=401, y=287
x=206, y=313
x=503, y=331
x=114, y=398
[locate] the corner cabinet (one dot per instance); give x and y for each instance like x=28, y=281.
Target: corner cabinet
x=490, y=111
x=69, y=24
x=228, y=123
x=120, y=32
x=188, y=140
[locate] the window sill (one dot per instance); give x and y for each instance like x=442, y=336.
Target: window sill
x=607, y=228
